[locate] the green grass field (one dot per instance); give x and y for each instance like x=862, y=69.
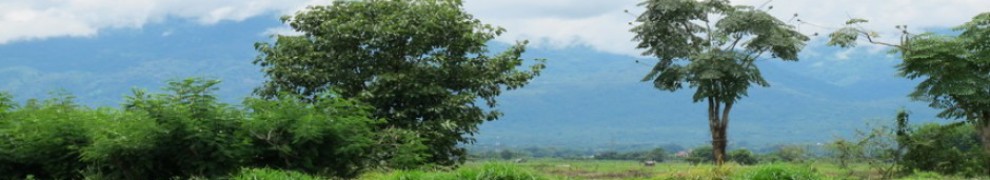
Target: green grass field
x=602, y=169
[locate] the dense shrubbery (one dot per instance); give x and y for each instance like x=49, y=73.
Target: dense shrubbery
x=948, y=149
x=743, y=156
x=952, y=149
x=187, y=133
x=266, y=173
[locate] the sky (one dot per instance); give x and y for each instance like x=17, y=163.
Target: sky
x=600, y=24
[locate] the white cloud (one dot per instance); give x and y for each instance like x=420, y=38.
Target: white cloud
x=39, y=19
x=281, y=30
x=600, y=24
x=603, y=26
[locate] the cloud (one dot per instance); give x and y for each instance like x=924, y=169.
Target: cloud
x=39, y=19
x=603, y=25
x=281, y=30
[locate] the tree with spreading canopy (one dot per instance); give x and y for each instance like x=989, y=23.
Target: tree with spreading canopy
x=422, y=65
x=955, y=70
x=712, y=46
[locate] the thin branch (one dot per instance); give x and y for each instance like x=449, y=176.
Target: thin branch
x=870, y=39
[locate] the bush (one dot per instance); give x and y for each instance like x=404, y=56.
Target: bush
x=789, y=153
x=266, y=173
x=949, y=149
x=188, y=133
x=331, y=136
x=780, y=172
x=42, y=139
x=702, y=154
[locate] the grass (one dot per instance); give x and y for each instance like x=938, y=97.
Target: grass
x=602, y=169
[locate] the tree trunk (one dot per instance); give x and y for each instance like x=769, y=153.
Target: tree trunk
x=984, y=129
x=718, y=128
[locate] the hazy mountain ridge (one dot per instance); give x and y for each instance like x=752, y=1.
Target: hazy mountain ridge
x=584, y=98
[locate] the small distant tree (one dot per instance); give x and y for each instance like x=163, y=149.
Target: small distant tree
x=656, y=154
x=790, y=153
x=845, y=152
x=743, y=156
x=712, y=46
x=701, y=155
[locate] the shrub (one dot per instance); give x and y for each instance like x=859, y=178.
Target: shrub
x=42, y=139
x=266, y=173
x=330, y=136
x=701, y=155
x=742, y=156
x=780, y=172
x=401, y=149
x=948, y=149
x=187, y=133
x=120, y=145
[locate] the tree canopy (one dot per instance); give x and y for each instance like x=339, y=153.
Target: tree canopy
x=422, y=65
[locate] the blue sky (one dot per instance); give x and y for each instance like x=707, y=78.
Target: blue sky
x=99, y=49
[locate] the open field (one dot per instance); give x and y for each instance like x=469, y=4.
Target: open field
x=605, y=169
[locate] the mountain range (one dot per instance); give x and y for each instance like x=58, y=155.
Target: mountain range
x=584, y=99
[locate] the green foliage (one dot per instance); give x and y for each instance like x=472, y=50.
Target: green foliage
x=845, y=152
x=43, y=139
x=422, y=65
x=656, y=154
x=743, y=156
x=487, y=171
x=701, y=155
x=955, y=74
x=6, y=102
x=401, y=149
x=950, y=149
x=716, y=57
x=790, y=153
x=954, y=69
x=200, y=133
x=187, y=133
x=781, y=172
x=267, y=173
x=333, y=136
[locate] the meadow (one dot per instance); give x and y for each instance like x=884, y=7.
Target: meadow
x=567, y=169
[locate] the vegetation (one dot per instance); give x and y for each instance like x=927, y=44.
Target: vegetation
x=953, y=69
x=390, y=89
x=715, y=56
x=184, y=133
x=422, y=65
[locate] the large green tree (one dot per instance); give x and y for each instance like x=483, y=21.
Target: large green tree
x=712, y=46
x=955, y=69
x=422, y=64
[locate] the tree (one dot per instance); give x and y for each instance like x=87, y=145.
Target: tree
x=657, y=154
x=743, y=156
x=702, y=154
x=955, y=70
x=714, y=56
x=422, y=65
